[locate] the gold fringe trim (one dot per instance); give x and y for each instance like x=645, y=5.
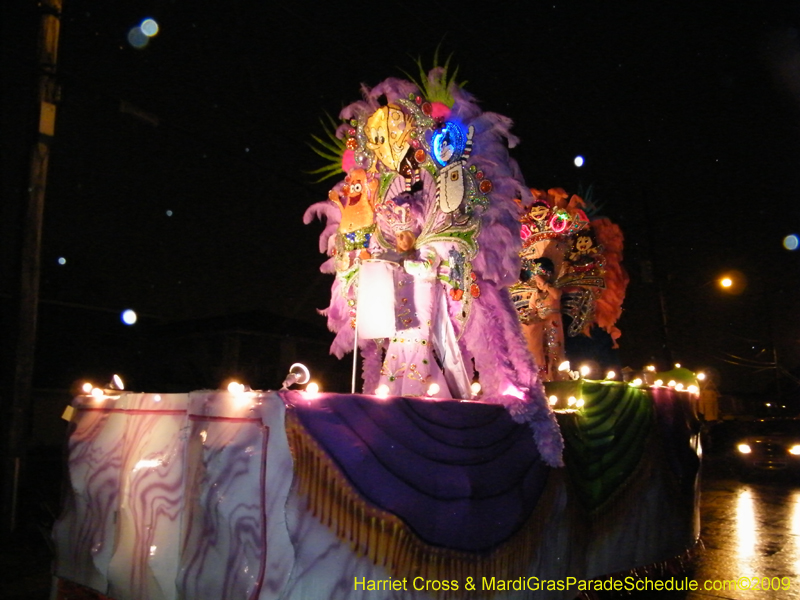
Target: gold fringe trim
x=387, y=541
x=675, y=566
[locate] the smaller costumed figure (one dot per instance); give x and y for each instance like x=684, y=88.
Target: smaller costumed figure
x=543, y=327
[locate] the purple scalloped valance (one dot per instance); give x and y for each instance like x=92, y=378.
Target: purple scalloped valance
x=462, y=475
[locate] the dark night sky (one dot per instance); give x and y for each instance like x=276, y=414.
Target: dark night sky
x=688, y=115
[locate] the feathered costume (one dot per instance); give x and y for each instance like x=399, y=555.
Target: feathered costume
x=586, y=257
x=446, y=182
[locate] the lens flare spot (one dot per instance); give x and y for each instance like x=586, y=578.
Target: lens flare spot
x=137, y=38
x=149, y=27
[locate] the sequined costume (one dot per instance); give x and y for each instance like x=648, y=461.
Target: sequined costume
x=410, y=367
x=544, y=330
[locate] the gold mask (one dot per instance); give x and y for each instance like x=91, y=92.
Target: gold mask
x=387, y=134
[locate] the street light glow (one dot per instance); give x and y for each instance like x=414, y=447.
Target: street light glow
x=733, y=282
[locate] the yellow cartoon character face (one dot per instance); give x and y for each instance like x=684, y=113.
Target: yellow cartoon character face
x=387, y=135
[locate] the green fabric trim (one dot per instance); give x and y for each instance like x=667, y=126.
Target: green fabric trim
x=605, y=441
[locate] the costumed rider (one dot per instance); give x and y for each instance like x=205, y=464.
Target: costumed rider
x=544, y=330
x=410, y=366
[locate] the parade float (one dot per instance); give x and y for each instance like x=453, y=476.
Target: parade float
x=475, y=461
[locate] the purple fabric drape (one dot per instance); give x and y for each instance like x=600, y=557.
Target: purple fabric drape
x=462, y=475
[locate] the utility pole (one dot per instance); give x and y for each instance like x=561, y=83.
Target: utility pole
x=30, y=261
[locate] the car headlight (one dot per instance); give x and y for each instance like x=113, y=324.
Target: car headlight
x=744, y=448
x=795, y=450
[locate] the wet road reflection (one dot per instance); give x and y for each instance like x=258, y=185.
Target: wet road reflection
x=751, y=532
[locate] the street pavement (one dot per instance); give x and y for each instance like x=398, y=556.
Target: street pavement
x=751, y=531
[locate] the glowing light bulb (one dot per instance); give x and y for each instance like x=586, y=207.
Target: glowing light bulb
x=611, y=375
x=791, y=242
x=87, y=387
x=313, y=388
x=701, y=376
x=585, y=370
x=129, y=316
x=650, y=368
x=116, y=382
x=476, y=388
x=553, y=400
x=580, y=403
x=578, y=161
x=679, y=386
x=433, y=389
x=658, y=382
x=572, y=400
x=564, y=366
x=637, y=381
x=382, y=391
x=97, y=393
x=693, y=389
x=234, y=387
x=671, y=383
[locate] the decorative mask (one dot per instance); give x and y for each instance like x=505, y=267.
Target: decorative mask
x=387, y=135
